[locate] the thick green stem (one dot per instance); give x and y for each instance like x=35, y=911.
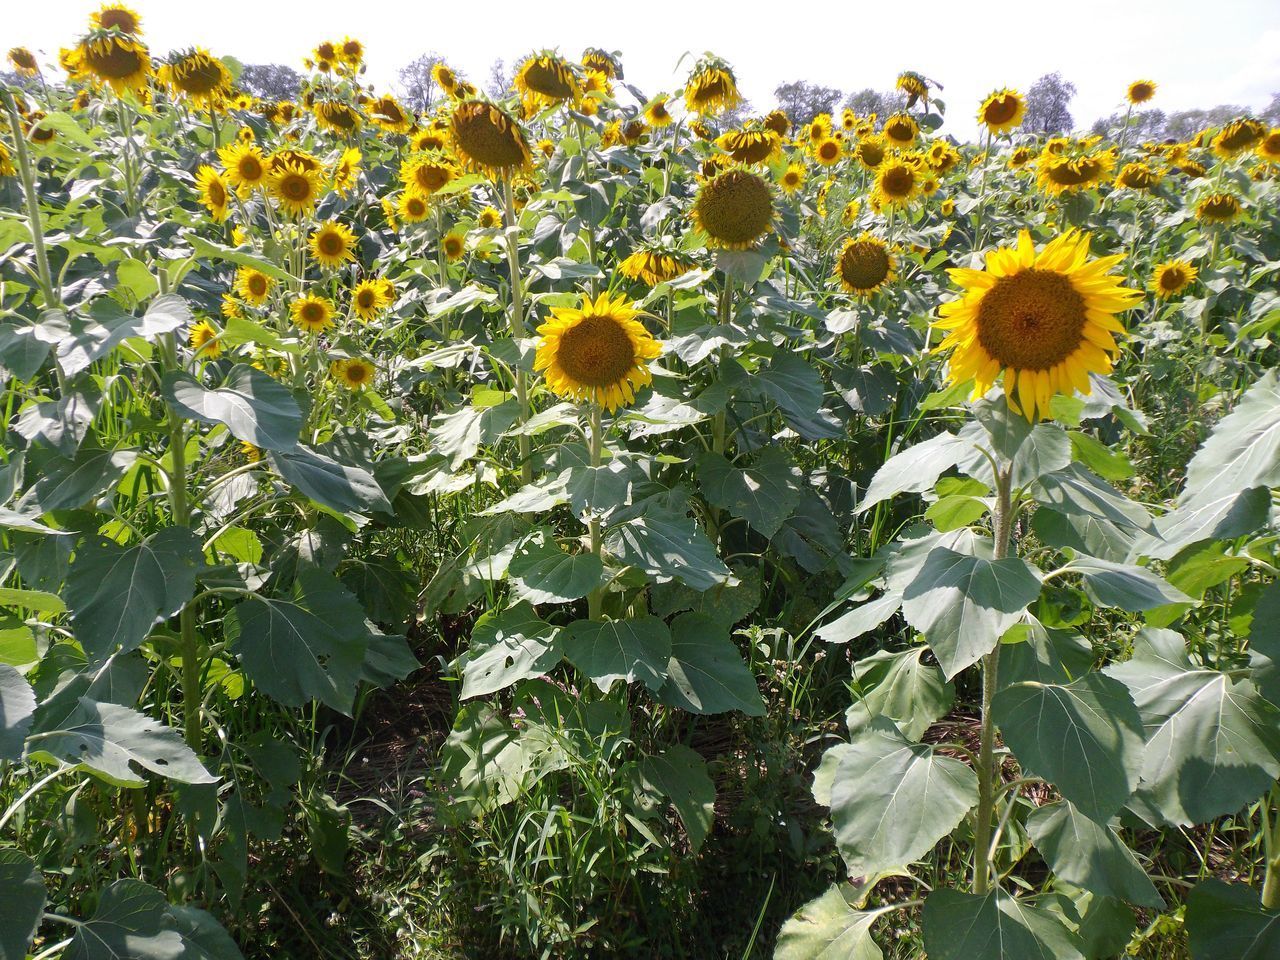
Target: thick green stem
x=988, y=775
x=52, y=298
x=1271, y=844
x=517, y=322
x=595, y=599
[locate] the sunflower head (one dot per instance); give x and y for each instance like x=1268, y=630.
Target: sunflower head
x=253, y=286
x=1140, y=91
x=413, y=207
x=1218, y=208
x=871, y=151
x=901, y=130
x=489, y=219
x=387, y=112
x=346, y=170
x=865, y=264
x=116, y=59
x=311, y=313
x=1002, y=111
x=850, y=212
x=214, y=191
x=897, y=183
x=488, y=140
x=1046, y=320
x=734, y=209
x=657, y=114
x=245, y=165
x=1172, y=277
x=1061, y=173
x=1269, y=146
x=1019, y=157
x=24, y=61
x=777, y=121
x=792, y=178
x=296, y=187
x=711, y=88
x=597, y=352
x=118, y=17
x=942, y=156
x=750, y=146
x=336, y=116
x=827, y=152
x=545, y=79
x=432, y=138
x=427, y=172
x=1243, y=133
x=332, y=244
x=654, y=264
x=454, y=245
x=197, y=76
x=204, y=340
x=914, y=86
x=353, y=373
x=369, y=298
x=1138, y=176
x=593, y=58
x=351, y=52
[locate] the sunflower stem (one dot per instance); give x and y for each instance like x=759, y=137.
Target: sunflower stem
x=1271, y=847
x=512, y=234
x=595, y=599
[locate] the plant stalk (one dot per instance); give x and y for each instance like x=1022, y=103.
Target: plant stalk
x=512, y=234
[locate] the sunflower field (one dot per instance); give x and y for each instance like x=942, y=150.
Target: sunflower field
x=589, y=523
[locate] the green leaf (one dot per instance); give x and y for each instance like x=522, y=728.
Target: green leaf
x=22, y=905
x=962, y=604
x=202, y=936
x=131, y=923
x=1243, y=450
x=628, y=650
x=892, y=800
x=252, y=405
x=764, y=493
x=914, y=470
x=797, y=389
x=1090, y=855
x=37, y=600
x=706, y=673
x=338, y=486
x=1236, y=514
x=667, y=544
x=72, y=483
x=1098, y=457
x=1227, y=922
x=1084, y=737
x=63, y=423
x=680, y=775
x=508, y=646
x=106, y=738
x=94, y=336
x=459, y=435
x=828, y=928
x=1076, y=492
x=952, y=513
x=1124, y=585
x=543, y=573
x=994, y=926
x=899, y=686
x=206, y=249
x=17, y=706
x=861, y=619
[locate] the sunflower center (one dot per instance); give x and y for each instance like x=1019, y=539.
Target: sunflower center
x=312, y=313
x=249, y=168
x=597, y=352
x=1172, y=278
x=898, y=181
x=198, y=75
x=356, y=373
x=364, y=299
x=432, y=178
x=829, y=150
x=864, y=265
x=735, y=207
x=1031, y=320
x=1001, y=109
x=331, y=245
x=295, y=187
x=549, y=79
x=872, y=154
x=257, y=285
x=217, y=196
x=114, y=60
x=416, y=207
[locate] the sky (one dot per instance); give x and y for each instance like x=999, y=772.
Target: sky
x=1201, y=54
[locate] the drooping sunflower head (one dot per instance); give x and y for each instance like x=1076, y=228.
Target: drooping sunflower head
x=118, y=17
x=777, y=121
x=901, y=130
x=1002, y=111
x=116, y=59
x=246, y=166
x=1241, y=134
x=196, y=76
x=432, y=138
x=444, y=77
x=1172, y=277
x=38, y=132
x=204, y=340
x=1046, y=320
x=1140, y=91
x=1138, y=176
x=253, y=286
x=866, y=263
x=368, y=299
x=593, y=58
x=546, y=147
x=871, y=151
x=312, y=313
x=750, y=146
x=24, y=61
x=827, y=152
x=295, y=187
x=332, y=244
x=454, y=245
x=546, y=79
x=657, y=114
x=387, y=112
x=298, y=158
x=214, y=192
x=336, y=116
x=1218, y=208
x=488, y=140
x=734, y=209
x=597, y=352
x=914, y=86
x=353, y=373
x=654, y=264
x=711, y=88
x=413, y=207
x=427, y=172
x=792, y=178
x=897, y=183
x=1019, y=157
x=1058, y=174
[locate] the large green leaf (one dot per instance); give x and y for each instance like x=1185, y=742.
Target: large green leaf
x=706, y=674
x=543, y=573
x=828, y=928
x=94, y=336
x=107, y=738
x=131, y=923
x=1076, y=492
x=962, y=603
x=994, y=926
x=72, y=483
x=1089, y=855
x=629, y=650
x=255, y=407
x=795, y=386
x=63, y=423
x=667, y=544
x=763, y=493
x=17, y=705
x=1243, y=450
x=680, y=775
x=202, y=936
x=1226, y=517
x=22, y=904
x=1125, y=585
x=892, y=800
x=508, y=646
x=117, y=594
x=1085, y=737
x=1227, y=922
x=914, y=470
x=339, y=486
x=861, y=619
x=900, y=686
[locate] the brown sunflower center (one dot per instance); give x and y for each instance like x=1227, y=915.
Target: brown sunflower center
x=357, y=373
x=121, y=20
x=1219, y=207
x=365, y=298
x=331, y=244
x=899, y=130
x=485, y=135
x=1001, y=109
x=870, y=153
x=549, y=78
x=1031, y=320
x=597, y=352
x=1271, y=145
x=339, y=115
x=113, y=59
x=829, y=150
x=257, y=285
x=864, y=265
x=735, y=207
x=416, y=207
x=708, y=89
x=197, y=75
x=217, y=195
x=294, y=186
x=249, y=168
x=312, y=313
x=1172, y=278
x=898, y=181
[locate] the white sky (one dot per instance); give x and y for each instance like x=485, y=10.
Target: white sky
x=1200, y=53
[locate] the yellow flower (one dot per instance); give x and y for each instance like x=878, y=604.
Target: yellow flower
x=657, y=114
x=1047, y=320
x=388, y=114
x=413, y=207
x=351, y=52
x=116, y=16
x=251, y=453
x=353, y=373
x=336, y=116
x=1019, y=157
x=711, y=88
x=1172, y=277
x=1218, y=208
x=750, y=146
x=313, y=314
x=444, y=77
x=253, y=286
x=1138, y=176
x=368, y=299
x=6, y=162
x=598, y=352
x=432, y=138
x=24, y=61
x=1243, y=133
x=827, y=152
x=1269, y=147
x=116, y=59
x=596, y=59
x=204, y=340
x=197, y=76
x=296, y=187
x=488, y=140
x=901, y=130
x=214, y=192
x=1140, y=91
x=778, y=121
x=1058, y=174
x=914, y=86
x=489, y=219
x=246, y=166
x=850, y=212
x=734, y=210
x=454, y=245
x=896, y=183
x=654, y=266
x=333, y=244
x=948, y=207
x=871, y=151
x=792, y=178
x=865, y=265
x=427, y=172
x=545, y=80
x=1002, y=111
x=231, y=307
x=346, y=170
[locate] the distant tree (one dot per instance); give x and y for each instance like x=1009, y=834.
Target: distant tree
x=417, y=87
x=1146, y=125
x=499, y=84
x=737, y=116
x=1048, y=105
x=1272, y=113
x=883, y=103
x=270, y=81
x=1185, y=124
x=803, y=101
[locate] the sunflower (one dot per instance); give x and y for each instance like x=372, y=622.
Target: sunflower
x=24, y=61
x=427, y=172
x=444, y=77
x=871, y=151
x=711, y=88
x=1140, y=91
x=942, y=156
x=244, y=102
x=332, y=244
x=1172, y=277
x=598, y=352
x=545, y=80
x=296, y=187
x=454, y=245
x=848, y=119
x=39, y=133
x=1138, y=176
x=245, y=166
x=346, y=170
x=214, y=192
x=413, y=207
x=368, y=299
x=6, y=162
x=1047, y=320
x=197, y=76
x=901, y=130
x=115, y=16
x=1019, y=157
x=1243, y=133
x=1269, y=147
x=388, y=114
x=117, y=60
x=819, y=128
x=734, y=209
x=285, y=111
x=792, y=178
x=947, y=207
x=865, y=265
x=653, y=265
x=1058, y=174
x=353, y=373
x=750, y=146
x=633, y=131
x=298, y=158
x=777, y=121
x=827, y=152
x=489, y=219
x=657, y=114
x=432, y=138
x=253, y=286
x=231, y=307
x=69, y=59
x=488, y=140
x=594, y=58
x=914, y=86
x=1218, y=208
x=351, y=52
x=336, y=116
x=897, y=182
x=204, y=340
x=850, y=212
x=325, y=55
x=313, y=314
x=1002, y=111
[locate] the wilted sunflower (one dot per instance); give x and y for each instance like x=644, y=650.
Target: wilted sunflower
x=489, y=219
x=827, y=152
x=368, y=299
x=545, y=79
x=24, y=61
x=792, y=178
x=777, y=121
x=1140, y=91
x=1138, y=176
x=298, y=158
x=657, y=114
x=346, y=170
x=413, y=207
x=116, y=59
x=204, y=340
x=116, y=16
x=702, y=130
x=1046, y=320
x=353, y=373
x=1172, y=277
x=313, y=314
x=454, y=245
x=444, y=77
x=332, y=244
x=253, y=286
x=734, y=209
x=296, y=187
x=1243, y=133
x=1002, y=111
x=245, y=165
x=598, y=352
x=1269, y=147
x=653, y=265
x=865, y=265
x=215, y=193
x=871, y=151
x=427, y=172
x=39, y=133
x=197, y=76
x=897, y=182
x=1218, y=208
x=901, y=130
x=711, y=88
x=1057, y=174
x=593, y=58
x=336, y=116
x=488, y=140
x=750, y=146
x=387, y=113
x=914, y=86
x=1019, y=157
